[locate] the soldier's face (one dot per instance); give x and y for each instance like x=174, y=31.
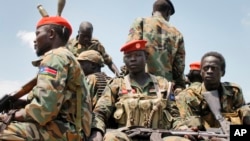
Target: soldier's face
x=86, y=67
x=84, y=37
x=211, y=70
x=42, y=41
x=135, y=61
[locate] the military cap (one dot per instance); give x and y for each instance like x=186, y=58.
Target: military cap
x=56, y=20
x=92, y=56
x=134, y=45
x=171, y=6
x=195, y=66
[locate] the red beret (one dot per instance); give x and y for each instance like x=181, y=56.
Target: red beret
x=57, y=20
x=195, y=66
x=134, y=45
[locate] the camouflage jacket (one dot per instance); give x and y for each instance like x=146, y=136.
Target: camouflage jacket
x=77, y=48
x=116, y=88
x=191, y=103
x=97, y=82
x=53, y=100
x=165, y=45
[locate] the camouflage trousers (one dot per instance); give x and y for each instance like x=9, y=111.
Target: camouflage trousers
x=26, y=131
x=116, y=135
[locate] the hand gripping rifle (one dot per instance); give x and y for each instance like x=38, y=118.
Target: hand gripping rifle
x=7, y=101
x=10, y=102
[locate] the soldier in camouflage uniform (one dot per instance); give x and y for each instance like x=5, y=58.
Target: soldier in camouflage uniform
x=165, y=44
x=192, y=104
x=84, y=41
x=194, y=75
x=59, y=106
x=91, y=63
x=132, y=98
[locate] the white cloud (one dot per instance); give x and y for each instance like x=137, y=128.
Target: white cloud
x=27, y=38
x=246, y=20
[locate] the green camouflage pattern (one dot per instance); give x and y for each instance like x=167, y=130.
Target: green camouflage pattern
x=50, y=115
x=91, y=55
x=94, y=85
x=194, y=85
x=115, y=89
x=191, y=103
x=165, y=45
x=77, y=48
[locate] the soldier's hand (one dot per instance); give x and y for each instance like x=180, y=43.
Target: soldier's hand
x=96, y=136
x=2, y=116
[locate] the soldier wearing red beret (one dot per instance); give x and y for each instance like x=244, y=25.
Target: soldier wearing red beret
x=131, y=100
x=59, y=106
x=194, y=76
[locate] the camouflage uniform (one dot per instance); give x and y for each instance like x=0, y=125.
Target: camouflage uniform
x=191, y=103
x=194, y=85
x=51, y=112
x=117, y=96
x=97, y=82
x=165, y=46
x=77, y=48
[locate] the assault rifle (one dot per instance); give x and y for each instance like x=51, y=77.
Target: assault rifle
x=212, y=99
x=155, y=134
x=7, y=101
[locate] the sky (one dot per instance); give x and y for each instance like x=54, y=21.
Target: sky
x=207, y=25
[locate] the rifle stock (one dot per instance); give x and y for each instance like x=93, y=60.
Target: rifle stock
x=8, y=99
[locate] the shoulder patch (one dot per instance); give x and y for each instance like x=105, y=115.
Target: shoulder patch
x=47, y=71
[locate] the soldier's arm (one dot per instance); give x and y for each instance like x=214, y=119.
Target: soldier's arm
x=106, y=57
x=179, y=64
x=47, y=91
x=105, y=106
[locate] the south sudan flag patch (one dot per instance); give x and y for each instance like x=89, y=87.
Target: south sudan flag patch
x=47, y=71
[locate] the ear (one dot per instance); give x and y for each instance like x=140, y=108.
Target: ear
x=52, y=33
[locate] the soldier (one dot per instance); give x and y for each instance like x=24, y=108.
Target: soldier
x=84, y=41
x=91, y=63
x=194, y=76
x=192, y=102
x=61, y=89
x=132, y=98
x=165, y=44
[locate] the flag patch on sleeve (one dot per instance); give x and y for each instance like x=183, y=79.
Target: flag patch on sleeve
x=47, y=71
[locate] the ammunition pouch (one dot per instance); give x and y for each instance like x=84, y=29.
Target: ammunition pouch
x=134, y=110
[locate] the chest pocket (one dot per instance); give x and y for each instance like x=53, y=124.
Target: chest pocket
x=135, y=109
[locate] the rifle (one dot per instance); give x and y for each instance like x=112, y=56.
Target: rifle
x=155, y=134
x=7, y=100
x=212, y=99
